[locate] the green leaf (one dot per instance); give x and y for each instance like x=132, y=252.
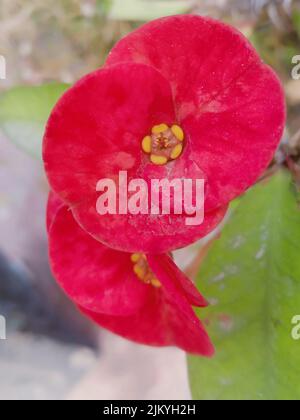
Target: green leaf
x=144, y=10
x=252, y=279
x=24, y=112
x=104, y=6
x=296, y=20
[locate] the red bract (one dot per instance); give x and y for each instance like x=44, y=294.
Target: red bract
x=181, y=97
x=154, y=309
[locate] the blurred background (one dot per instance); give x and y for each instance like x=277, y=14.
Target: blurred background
x=51, y=352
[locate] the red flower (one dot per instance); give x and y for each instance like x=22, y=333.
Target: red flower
x=181, y=97
x=144, y=299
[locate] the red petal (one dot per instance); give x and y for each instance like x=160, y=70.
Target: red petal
x=171, y=276
x=94, y=132
x=53, y=206
x=89, y=274
x=230, y=105
x=146, y=234
x=95, y=277
x=200, y=56
x=235, y=136
x=97, y=127
x=163, y=321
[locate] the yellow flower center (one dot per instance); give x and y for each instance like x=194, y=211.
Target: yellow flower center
x=164, y=144
x=142, y=270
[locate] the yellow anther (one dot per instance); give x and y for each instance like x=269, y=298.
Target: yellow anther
x=157, y=129
x=176, y=152
x=142, y=270
x=139, y=271
x=178, y=132
x=158, y=160
x=147, y=144
x=155, y=283
x=135, y=258
x=164, y=144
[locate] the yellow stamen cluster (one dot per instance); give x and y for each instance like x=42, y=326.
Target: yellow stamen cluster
x=164, y=144
x=142, y=270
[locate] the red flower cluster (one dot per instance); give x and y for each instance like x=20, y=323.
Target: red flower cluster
x=181, y=97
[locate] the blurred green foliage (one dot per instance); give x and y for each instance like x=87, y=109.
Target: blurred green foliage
x=277, y=45
x=296, y=21
x=104, y=6
x=24, y=112
x=144, y=10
